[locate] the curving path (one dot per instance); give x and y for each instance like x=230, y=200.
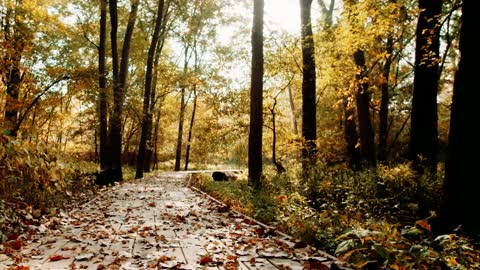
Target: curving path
x=158, y=223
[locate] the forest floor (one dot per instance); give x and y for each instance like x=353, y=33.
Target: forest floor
x=159, y=222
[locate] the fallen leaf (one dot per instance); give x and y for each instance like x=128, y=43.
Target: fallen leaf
x=84, y=257
x=299, y=244
x=223, y=209
x=57, y=257
x=14, y=244
x=205, y=259
x=315, y=265
x=424, y=224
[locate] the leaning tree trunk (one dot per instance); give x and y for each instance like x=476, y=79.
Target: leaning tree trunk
x=423, y=131
x=147, y=113
x=278, y=165
x=309, y=112
x=190, y=128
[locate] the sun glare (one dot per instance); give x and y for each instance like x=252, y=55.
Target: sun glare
x=283, y=15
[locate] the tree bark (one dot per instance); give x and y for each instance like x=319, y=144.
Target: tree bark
x=385, y=99
x=362, y=98
x=255, y=166
x=423, y=132
x=461, y=184
x=16, y=41
x=351, y=136
x=190, y=128
x=309, y=110
x=278, y=165
x=181, y=117
x=147, y=112
x=120, y=74
x=292, y=109
x=327, y=13
x=102, y=83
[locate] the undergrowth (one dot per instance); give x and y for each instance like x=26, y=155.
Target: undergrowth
x=374, y=220
x=37, y=181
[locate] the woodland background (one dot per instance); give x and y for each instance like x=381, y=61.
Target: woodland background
x=355, y=129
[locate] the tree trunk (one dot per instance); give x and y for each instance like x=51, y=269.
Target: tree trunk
x=423, y=131
x=102, y=83
x=362, y=98
x=255, y=166
x=327, y=13
x=351, y=137
x=309, y=112
x=155, y=137
x=15, y=40
x=11, y=105
x=385, y=99
x=147, y=112
x=292, y=109
x=120, y=74
x=461, y=184
x=278, y=165
x=190, y=128
x=181, y=117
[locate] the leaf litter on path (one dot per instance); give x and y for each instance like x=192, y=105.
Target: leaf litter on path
x=156, y=222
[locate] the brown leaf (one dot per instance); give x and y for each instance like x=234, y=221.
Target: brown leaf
x=223, y=209
x=57, y=257
x=299, y=244
x=14, y=244
x=424, y=224
x=315, y=265
x=163, y=259
x=205, y=259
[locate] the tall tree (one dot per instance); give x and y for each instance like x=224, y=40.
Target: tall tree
x=362, y=100
x=190, y=128
x=255, y=166
x=309, y=110
x=17, y=39
x=423, y=131
x=120, y=75
x=461, y=175
x=147, y=113
x=327, y=13
x=102, y=83
x=181, y=117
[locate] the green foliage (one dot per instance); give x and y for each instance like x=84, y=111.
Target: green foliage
x=372, y=219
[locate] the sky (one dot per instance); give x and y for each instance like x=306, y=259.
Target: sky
x=283, y=13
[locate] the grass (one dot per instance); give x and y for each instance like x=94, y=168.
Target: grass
x=372, y=219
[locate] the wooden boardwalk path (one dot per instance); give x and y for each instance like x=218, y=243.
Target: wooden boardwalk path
x=159, y=223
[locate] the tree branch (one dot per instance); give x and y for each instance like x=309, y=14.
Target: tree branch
x=35, y=100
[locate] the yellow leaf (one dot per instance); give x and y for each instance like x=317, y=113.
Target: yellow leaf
x=452, y=262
